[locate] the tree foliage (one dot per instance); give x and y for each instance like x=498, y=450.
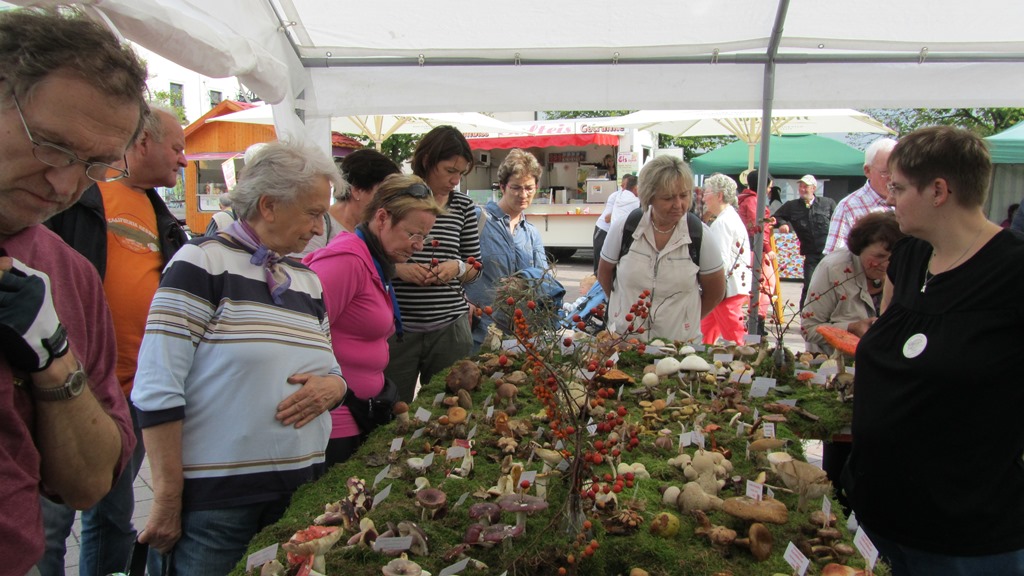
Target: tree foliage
x=982, y=121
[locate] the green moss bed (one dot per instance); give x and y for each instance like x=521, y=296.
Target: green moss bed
x=546, y=544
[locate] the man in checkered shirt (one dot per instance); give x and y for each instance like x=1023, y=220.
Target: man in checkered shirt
x=871, y=197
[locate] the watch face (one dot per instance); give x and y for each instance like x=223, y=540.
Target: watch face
x=76, y=383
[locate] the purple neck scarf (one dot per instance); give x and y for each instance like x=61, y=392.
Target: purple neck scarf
x=278, y=279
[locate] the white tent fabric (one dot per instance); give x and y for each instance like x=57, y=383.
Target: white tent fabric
x=342, y=58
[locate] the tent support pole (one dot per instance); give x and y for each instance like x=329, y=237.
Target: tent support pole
x=757, y=240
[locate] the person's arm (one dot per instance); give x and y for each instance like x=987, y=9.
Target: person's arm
x=163, y=448
x=838, y=229
x=605, y=274
x=887, y=289
x=469, y=242
x=712, y=290
x=782, y=218
x=79, y=443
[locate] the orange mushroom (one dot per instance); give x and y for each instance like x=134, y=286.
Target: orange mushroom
x=841, y=340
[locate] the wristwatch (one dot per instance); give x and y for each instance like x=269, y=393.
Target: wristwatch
x=73, y=386
x=462, y=269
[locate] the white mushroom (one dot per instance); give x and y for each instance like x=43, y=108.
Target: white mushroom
x=667, y=366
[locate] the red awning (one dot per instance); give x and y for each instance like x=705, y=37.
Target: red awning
x=543, y=141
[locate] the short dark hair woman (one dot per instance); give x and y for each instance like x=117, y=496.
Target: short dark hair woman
x=435, y=313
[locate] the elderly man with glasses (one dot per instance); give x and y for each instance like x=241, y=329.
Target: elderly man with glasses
x=871, y=197
x=70, y=106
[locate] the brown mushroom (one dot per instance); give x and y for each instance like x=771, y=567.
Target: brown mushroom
x=758, y=541
x=719, y=536
x=522, y=505
x=401, y=412
x=487, y=512
x=767, y=510
x=507, y=392
x=464, y=375
x=433, y=502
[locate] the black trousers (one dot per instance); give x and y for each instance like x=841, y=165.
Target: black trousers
x=599, y=236
x=810, y=263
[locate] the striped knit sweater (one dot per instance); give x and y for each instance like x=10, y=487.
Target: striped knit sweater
x=217, y=354
x=424, y=307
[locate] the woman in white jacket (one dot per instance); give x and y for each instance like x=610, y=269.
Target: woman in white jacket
x=727, y=319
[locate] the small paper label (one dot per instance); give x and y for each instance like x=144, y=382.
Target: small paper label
x=752, y=339
x=769, y=381
x=723, y=358
x=592, y=429
x=866, y=547
x=791, y=402
x=438, y=398
x=396, y=444
x=740, y=426
x=685, y=439
x=818, y=379
x=796, y=559
x=398, y=543
x=757, y=414
x=758, y=389
x=418, y=433
x=621, y=388
x=382, y=495
x=455, y=568
x=559, y=445
x=422, y=414
x=769, y=492
x=670, y=398
x=745, y=377
x=769, y=430
x=528, y=476
x=472, y=432
x=381, y=475
x=563, y=465
x=261, y=557
x=461, y=499
x=490, y=397
x=698, y=438
x=428, y=460
x=490, y=412
x=826, y=507
x=828, y=370
x=455, y=452
x=755, y=490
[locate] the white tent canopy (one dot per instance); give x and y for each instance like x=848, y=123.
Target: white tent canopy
x=344, y=58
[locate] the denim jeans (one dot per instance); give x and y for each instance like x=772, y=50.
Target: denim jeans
x=906, y=561
x=213, y=541
x=107, y=531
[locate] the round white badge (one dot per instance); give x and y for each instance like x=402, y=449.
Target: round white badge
x=915, y=345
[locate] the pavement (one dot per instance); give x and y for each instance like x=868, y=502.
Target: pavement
x=569, y=273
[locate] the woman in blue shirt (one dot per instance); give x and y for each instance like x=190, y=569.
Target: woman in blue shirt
x=507, y=241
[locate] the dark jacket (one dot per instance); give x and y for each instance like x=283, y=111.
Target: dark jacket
x=810, y=224
x=84, y=227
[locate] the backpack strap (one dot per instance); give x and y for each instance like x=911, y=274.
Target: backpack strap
x=696, y=230
x=632, y=221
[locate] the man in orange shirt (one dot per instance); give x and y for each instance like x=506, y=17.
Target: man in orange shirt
x=126, y=231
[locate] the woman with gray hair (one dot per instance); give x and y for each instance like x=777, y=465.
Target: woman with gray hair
x=727, y=319
x=658, y=266
x=236, y=372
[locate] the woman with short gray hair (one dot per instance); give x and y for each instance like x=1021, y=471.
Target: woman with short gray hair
x=238, y=334
x=682, y=287
x=727, y=319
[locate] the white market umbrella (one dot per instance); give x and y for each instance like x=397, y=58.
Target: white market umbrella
x=379, y=127
x=746, y=124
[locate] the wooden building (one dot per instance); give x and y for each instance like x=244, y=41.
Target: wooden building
x=209, y=144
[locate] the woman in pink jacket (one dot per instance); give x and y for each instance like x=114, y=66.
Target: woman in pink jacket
x=356, y=270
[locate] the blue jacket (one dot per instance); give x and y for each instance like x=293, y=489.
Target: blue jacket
x=502, y=253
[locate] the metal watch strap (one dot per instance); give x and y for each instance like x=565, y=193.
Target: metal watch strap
x=73, y=386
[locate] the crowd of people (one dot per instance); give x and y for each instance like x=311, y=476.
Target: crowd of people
x=123, y=338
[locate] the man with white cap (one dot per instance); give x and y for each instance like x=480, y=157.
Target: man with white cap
x=809, y=217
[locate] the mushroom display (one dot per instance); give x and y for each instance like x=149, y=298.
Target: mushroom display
x=767, y=510
x=433, y=501
x=464, y=375
x=719, y=536
x=845, y=344
x=313, y=542
x=758, y=541
x=402, y=566
x=523, y=505
x=807, y=480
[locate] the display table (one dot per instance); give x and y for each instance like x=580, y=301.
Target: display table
x=618, y=536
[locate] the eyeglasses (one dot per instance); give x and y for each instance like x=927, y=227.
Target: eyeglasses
x=60, y=157
x=520, y=189
x=418, y=191
x=417, y=237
